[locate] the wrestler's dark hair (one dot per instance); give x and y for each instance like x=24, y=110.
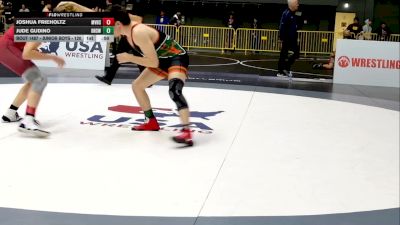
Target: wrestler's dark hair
x=120, y=14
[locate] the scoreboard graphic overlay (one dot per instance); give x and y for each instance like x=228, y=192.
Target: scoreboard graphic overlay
x=64, y=27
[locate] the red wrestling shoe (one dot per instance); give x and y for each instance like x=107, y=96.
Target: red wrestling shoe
x=150, y=124
x=184, y=138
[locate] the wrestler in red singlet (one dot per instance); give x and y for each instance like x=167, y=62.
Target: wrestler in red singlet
x=11, y=53
x=17, y=56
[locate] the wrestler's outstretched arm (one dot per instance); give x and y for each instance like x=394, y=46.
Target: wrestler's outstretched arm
x=30, y=52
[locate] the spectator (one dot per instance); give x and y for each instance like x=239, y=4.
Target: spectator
x=162, y=19
x=231, y=22
x=255, y=24
x=367, y=29
x=8, y=13
x=108, y=6
x=327, y=66
x=183, y=20
x=1, y=16
x=41, y=6
x=383, y=32
x=255, y=42
x=353, y=30
x=47, y=8
x=288, y=37
x=1, y=7
x=176, y=19
x=23, y=8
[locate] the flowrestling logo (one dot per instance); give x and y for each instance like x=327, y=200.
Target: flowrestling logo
x=167, y=118
x=354, y=62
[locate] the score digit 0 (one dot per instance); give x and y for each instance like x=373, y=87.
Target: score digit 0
x=108, y=30
x=108, y=21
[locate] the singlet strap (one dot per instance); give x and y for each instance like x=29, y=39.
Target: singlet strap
x=133, y=42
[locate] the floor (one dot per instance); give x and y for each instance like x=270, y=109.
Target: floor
x=267, y=151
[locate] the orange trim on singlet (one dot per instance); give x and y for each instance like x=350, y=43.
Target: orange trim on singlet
x=172, y=69
x=177, y=68
x=159, y=72
x=178, y=71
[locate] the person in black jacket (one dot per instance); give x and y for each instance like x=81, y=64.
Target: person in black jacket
x=288, y=39
x=383, y=32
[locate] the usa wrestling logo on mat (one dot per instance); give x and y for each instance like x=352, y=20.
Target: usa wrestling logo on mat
x=168, y=119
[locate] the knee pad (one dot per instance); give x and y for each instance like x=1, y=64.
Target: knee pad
x=175, y=92
x=35, y=77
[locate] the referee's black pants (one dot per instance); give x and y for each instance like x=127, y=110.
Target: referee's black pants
x=289, y=53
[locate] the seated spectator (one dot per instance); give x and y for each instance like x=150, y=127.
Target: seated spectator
x=383, y=32
x=23, y=8
x=353, y=29
x=327, y=66
x=367, y=29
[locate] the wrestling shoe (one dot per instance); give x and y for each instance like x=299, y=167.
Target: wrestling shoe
x=103, y=79
x=30, y=126
x=11, y=116
x=184, y=138
x=284, y=73
x=150, y=124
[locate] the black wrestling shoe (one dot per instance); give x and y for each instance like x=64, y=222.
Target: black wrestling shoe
x=103, y=79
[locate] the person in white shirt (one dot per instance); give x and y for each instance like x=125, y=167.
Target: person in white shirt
x=23, y=8
x=367, y=30
x=367, y=27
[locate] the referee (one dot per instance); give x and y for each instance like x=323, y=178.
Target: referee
x=288, y=38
